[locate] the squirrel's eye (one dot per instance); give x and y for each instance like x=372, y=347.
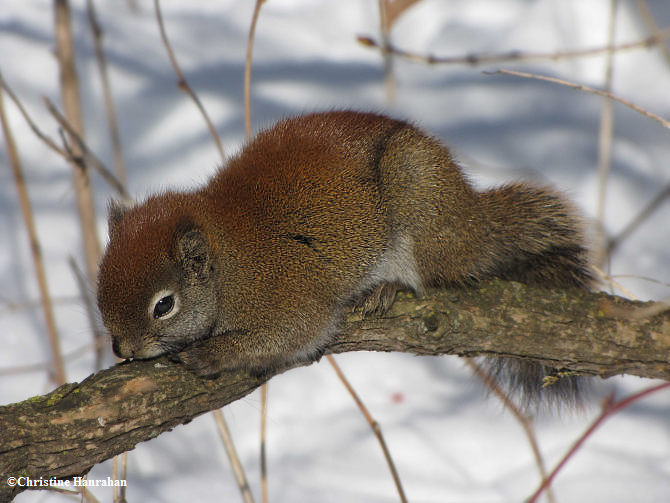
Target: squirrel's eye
x=165, y=304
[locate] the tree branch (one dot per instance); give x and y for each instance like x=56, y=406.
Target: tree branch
x=65, y=433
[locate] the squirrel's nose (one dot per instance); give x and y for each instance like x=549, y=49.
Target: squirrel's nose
x=115, y=347
x=117, y=350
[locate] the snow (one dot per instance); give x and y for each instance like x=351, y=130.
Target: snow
x=450, y=442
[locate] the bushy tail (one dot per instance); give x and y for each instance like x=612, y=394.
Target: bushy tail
x=534, y=387
x=534, y=237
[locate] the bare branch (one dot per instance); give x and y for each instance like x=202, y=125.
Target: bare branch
x=78, y=425
x=227, y=440
x=609, y=408
x=392, y=10
x=646, y=212
x=96, y=31
x=69, y=86
x=48, y=141
x=247, y=128
x=514, y=56
x=522, y=418
x=655, y=30
x=581, y=87
x=247, y=68
x=263, y=451
x=57, y=370
x=605, y=134
x=183, y=84
x=374, y=426
x=87, y=155
x=66, y=152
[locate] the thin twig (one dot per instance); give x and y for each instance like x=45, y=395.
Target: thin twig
x=646, y=212
x=12, y=306
x=57, y=367
x=606, y=128
x=608, y=279
x=89, y=305
x=641, y=313
x=120, y=463
x=227, y=440
x=82, y=493
x=393, y=9
x=513, y=56
x=48, y=141
x=115, y=475
x=610, y=407
x=183, y=84
x=67, y=154
x=581, y=87
x=387, y=56
x=87, y=495
x=653, y=27
x=86, y=156
x=247, y=128
x=247, y=68
x=69, y=86
x=218, y=415
x=523, y=419
x=389, y=12
x=374, y=425
x=656, y=281
x=264, y=466
x=75, y=354
x=96, y=30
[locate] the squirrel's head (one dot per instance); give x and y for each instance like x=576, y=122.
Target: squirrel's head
x=156, y=285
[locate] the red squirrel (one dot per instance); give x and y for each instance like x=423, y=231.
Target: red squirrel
x=255, y=269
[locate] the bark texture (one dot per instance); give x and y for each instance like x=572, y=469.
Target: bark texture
x=63, y=434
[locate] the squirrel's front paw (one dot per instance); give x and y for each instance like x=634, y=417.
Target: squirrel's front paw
x=215, y=355
x=378, y=300
x=200, y=359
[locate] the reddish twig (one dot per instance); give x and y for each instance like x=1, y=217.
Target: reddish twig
x=610, y=407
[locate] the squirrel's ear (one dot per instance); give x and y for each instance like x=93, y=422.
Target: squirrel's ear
x=193, y=254
x=116, y=210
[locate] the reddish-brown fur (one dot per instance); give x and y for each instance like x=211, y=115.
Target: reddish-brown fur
x=316, y=213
